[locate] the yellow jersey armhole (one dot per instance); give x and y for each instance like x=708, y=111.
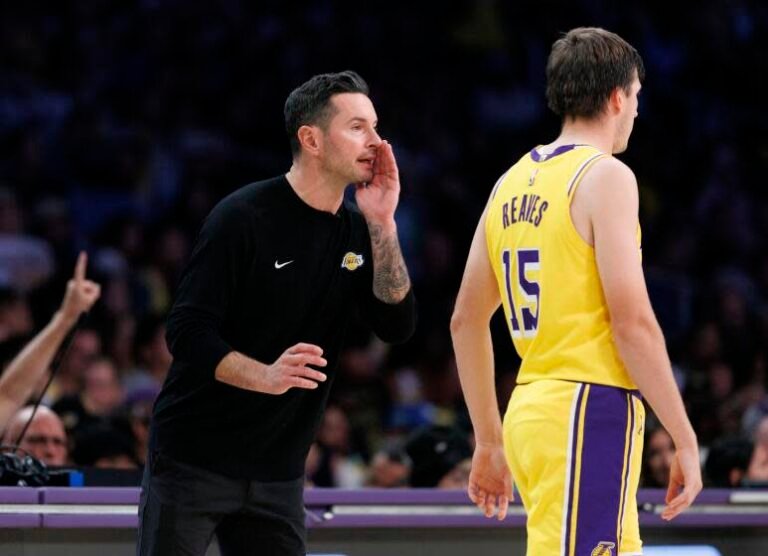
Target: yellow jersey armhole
x=490, y=208
x=497, y=184
x=573, y=185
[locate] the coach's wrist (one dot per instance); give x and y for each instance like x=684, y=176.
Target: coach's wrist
x=383, y=227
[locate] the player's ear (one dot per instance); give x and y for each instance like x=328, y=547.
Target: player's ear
x=616, y=100
x=310, y=139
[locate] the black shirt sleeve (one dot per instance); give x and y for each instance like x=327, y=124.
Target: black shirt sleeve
x=392, y=323
x=209, y=287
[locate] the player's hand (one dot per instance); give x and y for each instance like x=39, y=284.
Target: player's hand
x=378, y=198
x=490, y=481
x=81, y=293
x=291, y=370
x=684, y=482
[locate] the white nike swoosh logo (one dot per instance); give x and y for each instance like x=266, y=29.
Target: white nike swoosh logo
x=281, y=265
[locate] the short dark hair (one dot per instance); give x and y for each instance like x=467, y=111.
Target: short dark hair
x=584, y=66
x=726, y=455
x=310, y=102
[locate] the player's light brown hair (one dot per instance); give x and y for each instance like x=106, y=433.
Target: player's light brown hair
x=585, y=66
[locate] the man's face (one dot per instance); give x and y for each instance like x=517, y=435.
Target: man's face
x=46, y=440
x=661, y=453
x=102, y=387
x=350, y=142
x=627, y=117
x=85, y=347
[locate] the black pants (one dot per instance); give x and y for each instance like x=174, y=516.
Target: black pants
x=182, y=506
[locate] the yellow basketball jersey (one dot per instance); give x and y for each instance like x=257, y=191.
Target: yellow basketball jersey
x=547, y=274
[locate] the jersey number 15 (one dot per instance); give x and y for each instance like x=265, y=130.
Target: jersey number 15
x=527, y=260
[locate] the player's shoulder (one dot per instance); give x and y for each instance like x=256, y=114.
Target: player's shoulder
x=608, y=174
x=611, y=168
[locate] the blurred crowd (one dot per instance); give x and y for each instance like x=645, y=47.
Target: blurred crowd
x=123, y=123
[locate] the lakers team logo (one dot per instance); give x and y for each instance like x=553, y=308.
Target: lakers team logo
x=603, y=548
x=352, y=261
x=533, y=177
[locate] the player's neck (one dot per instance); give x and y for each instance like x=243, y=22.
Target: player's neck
x=600, y=136
x=315, y=188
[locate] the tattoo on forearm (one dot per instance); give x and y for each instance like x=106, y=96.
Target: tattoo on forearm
x=390, y=276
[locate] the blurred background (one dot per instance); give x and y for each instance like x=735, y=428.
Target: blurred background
x=123, y=122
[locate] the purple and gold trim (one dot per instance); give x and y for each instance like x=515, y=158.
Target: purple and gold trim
x=598, y=469
x=583, y=170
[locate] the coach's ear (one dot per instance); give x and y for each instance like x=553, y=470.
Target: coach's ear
x=310, y=139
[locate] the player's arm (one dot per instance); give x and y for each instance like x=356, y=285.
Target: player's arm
x=490, y=481
x=610, y=197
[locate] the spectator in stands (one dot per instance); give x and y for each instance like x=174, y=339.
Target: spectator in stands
x=389, y=468
x=104, y=446
x=15, y=316
x=138, y=405
x=658, y=455
x=338, y=463
x=757, y=472
x=86, y=346
x=31, y=365
x=151, y=354
x=100, y=397
x=435, y=452
x=44, y=439
x=727, y=462
x=26, y=262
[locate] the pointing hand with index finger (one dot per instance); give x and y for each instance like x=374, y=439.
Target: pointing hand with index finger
x=81, y=293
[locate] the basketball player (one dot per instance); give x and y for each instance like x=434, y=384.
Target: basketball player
x=558, y=245
x=279, y=269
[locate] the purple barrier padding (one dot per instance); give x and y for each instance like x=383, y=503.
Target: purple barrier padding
x=332, y=496
x=706, y=496
x=475, y=522
x=312, y=496
x=90, y=495
x=706, y=520
x=64, y=521
x=19, y=495
x=318, y=500
x=335, y=496
x=414, y=521
x=20, y=521
x=384, y=521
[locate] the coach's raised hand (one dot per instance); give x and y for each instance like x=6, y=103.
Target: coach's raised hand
x=378, y=198
x=377, y=201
